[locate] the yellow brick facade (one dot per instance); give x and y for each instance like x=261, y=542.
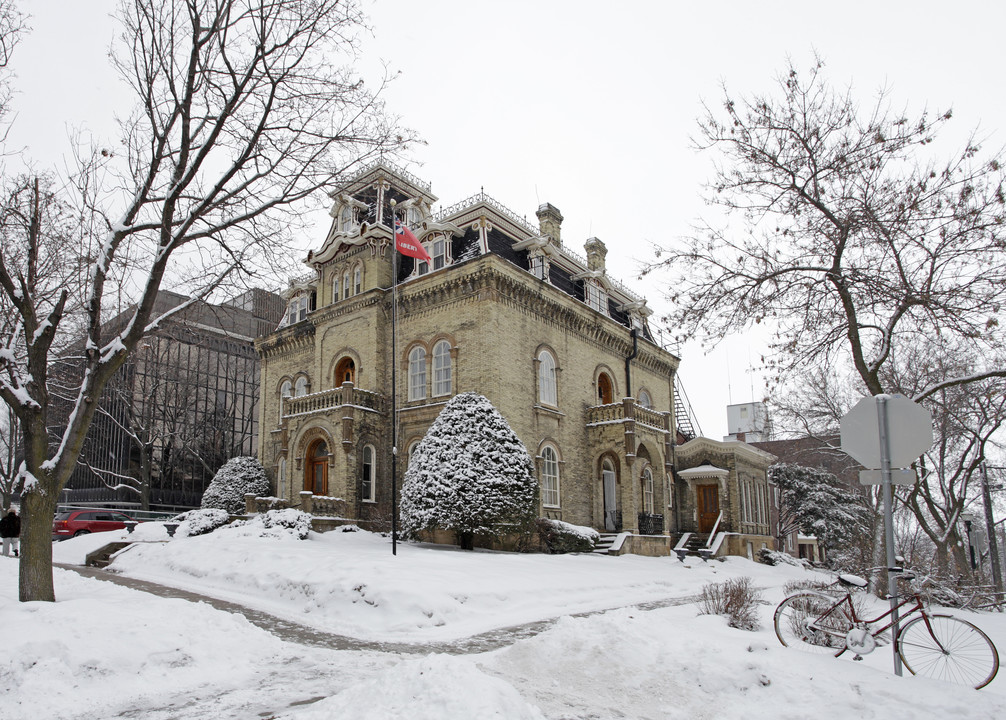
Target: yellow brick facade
x=496, y=318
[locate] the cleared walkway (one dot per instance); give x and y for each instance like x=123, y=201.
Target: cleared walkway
x=305, y=635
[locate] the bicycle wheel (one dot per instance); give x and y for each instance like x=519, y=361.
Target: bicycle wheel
x=955, y=651
x=811, y=621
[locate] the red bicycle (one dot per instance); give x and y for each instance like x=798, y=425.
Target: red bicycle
x=932, y=645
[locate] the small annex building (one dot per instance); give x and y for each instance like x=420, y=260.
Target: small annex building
x=564, y=351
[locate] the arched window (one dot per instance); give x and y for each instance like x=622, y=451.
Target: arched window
x=346, y=287
x=417, y=374
x=300, y=388
x=281, y=478
x=368, y=492
x=346, y=217
x=357, y=280
x=605, y=390
x=647, y=489
x=285, y=391
x=335, y=287
x=442, y=384
x=345, y=371
x=316, y=475
x=302, y=310
x=547, y=394
x=549, y=477
x=644, y=399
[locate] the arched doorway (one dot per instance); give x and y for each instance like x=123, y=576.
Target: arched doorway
x=605, y=391
x=316, y=470
x=608, y=484
x=345, y=372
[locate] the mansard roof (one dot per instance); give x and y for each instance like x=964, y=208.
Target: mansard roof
x=506, y=235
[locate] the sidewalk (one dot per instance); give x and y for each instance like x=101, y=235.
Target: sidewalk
x=305, y=635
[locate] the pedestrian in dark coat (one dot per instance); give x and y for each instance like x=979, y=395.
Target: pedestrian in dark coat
x=10, y=531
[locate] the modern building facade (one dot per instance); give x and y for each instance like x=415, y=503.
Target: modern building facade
x=564, y=351
x=185, y=402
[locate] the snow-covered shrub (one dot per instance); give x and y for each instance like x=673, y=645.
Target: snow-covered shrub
x=735, y=599
x=200, y=522
x=561, y=537
x=470, y=474
x=238, y=476
x=774, y=557
x=295, y=522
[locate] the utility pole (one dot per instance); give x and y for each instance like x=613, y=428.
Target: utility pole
x=997, y=577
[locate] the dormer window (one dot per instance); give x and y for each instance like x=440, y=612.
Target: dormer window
x=437, y=248
x=347, y=218
x=597, y=297
x=413, y=217
x=298, y=308
x=539, y=266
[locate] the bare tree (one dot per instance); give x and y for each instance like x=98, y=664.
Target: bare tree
x=243, y=112
x=852, y=236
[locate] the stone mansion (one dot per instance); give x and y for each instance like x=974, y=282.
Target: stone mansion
x=505, y=309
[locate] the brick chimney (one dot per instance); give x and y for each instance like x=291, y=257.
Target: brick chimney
x=550, y=222
x=596, y=252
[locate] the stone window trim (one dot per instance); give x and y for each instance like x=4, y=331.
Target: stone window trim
x=442, y=377
x=301, y=385
x=368, y=468
x=548, y=454
x=647, y=496
x=644, y=398
x=308, y=437
x=604, y=370
x=546, y=377
x=417, y=376
x=337, y=358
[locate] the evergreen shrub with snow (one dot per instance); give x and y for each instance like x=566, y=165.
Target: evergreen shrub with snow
x=238, y=476
x=815, y=502
x=471, y=474
x=290, y=520
x=557, y=536
x=200, y=522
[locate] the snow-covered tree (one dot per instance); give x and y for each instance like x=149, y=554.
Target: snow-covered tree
x=815, y=502
x=237, y=477
x=244, y=110
x=470, y=474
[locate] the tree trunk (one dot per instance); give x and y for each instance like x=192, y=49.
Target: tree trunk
x=35, y=571
x=466, y=540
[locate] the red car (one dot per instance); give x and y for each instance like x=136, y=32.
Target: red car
x=72, y=523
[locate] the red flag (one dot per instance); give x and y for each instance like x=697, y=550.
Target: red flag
x=407, y=244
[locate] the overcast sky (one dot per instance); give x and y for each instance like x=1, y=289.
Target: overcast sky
x=580, y=104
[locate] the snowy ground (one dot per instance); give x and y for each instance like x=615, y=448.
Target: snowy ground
x=104, y=651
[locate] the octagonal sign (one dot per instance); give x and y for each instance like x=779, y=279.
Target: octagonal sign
x=909, y=431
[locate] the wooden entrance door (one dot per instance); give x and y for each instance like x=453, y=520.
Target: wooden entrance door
x=316, y=476
x=708, y=501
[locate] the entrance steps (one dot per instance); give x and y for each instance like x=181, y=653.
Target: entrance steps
x=602, y=546
x=102, y=556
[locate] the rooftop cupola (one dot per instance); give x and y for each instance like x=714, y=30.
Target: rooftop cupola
x=550, y=222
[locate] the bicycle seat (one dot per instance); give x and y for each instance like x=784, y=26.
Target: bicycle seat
x=853, y=580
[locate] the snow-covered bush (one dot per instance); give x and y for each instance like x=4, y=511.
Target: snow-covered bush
x=238, y=476
x=470, y=474
x=735, y=599
x=561, y=537
x=295, y=522
x=200, y=522
x=774, y=557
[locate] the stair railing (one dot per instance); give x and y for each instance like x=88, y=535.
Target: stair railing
x=712, y=535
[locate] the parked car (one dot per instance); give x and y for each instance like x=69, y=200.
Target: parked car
x=72, y=523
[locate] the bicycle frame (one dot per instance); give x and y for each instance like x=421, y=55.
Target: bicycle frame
x=915, y=601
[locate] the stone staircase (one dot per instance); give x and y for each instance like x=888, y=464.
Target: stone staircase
x=602, y=546
x=692, y=547
x=102, y=556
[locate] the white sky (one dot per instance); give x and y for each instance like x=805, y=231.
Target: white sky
x=581, y=105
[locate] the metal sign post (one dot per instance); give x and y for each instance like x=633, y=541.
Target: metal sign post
x=883, y=432
x=885, y=471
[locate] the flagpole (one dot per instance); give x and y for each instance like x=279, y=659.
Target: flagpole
x=394, y=383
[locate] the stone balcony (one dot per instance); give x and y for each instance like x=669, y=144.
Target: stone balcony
x=327, y=401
